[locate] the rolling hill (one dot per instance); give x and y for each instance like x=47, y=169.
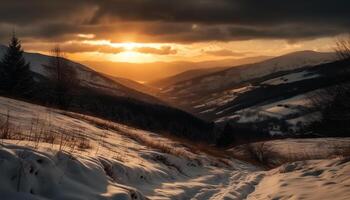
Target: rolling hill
x=89, y=78
x=229, y=78
x=108, y=97
x=276, y=91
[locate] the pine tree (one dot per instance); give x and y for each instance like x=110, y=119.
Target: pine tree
x=16, y=77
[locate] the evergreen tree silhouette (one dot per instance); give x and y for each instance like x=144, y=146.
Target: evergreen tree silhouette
x=15, y=75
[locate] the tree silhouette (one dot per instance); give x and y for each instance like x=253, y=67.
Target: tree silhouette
x=15, y=75
x=63, y=77
x=335, y=101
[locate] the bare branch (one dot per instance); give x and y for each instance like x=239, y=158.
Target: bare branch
x=343, y=48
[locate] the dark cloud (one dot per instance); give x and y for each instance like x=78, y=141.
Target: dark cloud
x=79, y=47
x=27, y=12
x=183, y=21
x=75, y=48
x=243, y=12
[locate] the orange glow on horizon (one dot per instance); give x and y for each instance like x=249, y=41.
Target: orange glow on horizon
x=195, y=52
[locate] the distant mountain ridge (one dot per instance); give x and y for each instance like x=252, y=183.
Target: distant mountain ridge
x=88, y=77
x=219, y=81
x=276, y=97
x=187, y=75
x=149, y=72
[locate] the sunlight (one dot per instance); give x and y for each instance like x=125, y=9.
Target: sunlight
x=128, y=56
x=86, y=36
x=161, y=99
x=129, y=46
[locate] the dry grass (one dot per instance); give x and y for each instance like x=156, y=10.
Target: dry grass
x=140, y=138
x=188, y=149
x=267, y=155
x=6, y=130
x=42, y=132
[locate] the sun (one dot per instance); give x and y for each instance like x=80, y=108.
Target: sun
x=129, y=52
x=129, y=56
x=129, y=46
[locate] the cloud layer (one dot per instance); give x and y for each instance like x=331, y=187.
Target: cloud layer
x=180, y=21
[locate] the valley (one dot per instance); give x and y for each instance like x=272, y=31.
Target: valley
x=174, y=100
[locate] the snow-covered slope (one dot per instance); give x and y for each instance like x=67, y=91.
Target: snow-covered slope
x=296, y=111
x=88, y=77
x=281, y=98
x=119, y=165
x=284, y=99
x=302, y=178
x=126, y=163
x=311, y=180
x=219, y=81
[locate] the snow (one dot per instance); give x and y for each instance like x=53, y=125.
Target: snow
x=279, y=110
x=308, y=174
x=290, y=78
x=118, y=166
x=220, y=99
x=88, y=77
x=29, y=174
x=312, y=180
x=128, y=163
x=208, y=111
x=235, y=75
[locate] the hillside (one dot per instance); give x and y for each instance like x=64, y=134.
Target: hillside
x=187, y=75
x=229, y=78
x=55, y=154
x=107, y=97
x=273, y=95
x=89, y=78
x=135, y=85
x=283, y=99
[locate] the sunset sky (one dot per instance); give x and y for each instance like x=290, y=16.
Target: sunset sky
x=174, y=30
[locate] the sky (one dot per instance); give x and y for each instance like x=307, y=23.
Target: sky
x=144, y=31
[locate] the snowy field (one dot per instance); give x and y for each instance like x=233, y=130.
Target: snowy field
x=120, y=162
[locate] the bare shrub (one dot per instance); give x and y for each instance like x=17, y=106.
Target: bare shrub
x=84, y=143
x=343, y=48
x=339, y=150
x=260, y=153
x=5, y=128
x=68, y=140
x=334, y=102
